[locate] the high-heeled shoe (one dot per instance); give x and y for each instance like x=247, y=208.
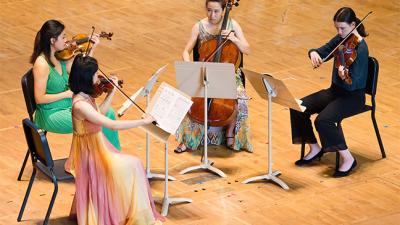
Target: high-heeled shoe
x=339, y=173
x=302, y=162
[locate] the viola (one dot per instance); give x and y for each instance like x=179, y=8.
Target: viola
x=79, y=44
x=345, y=55
x=118, y=87
x=104, y=85
x=221, y=112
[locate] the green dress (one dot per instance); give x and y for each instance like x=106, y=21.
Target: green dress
x=56, y=116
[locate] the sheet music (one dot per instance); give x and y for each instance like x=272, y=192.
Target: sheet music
x=300, y=102
x=169, y=106
x=281, y=94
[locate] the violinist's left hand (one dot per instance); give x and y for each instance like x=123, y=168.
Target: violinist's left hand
x=114, y=79
x=95, y=39
x=231, y=35
x=342, y=72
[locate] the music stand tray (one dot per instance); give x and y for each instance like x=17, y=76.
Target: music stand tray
x=206, y=80
x=273, y=90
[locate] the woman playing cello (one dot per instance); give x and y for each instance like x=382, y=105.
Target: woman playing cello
x=237, y=133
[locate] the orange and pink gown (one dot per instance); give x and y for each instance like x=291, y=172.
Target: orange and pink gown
x=111, y=187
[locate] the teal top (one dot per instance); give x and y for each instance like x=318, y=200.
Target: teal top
x=57, y=83
x=358, y=70
x=56, y=117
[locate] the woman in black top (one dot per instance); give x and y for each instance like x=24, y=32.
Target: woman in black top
x=339, y=101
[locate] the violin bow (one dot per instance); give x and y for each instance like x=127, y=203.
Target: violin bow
x=120, y=90
x=218, y=47
x=345, y=38
x=90, y=38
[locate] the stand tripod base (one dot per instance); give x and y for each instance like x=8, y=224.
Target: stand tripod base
x=166, y=202
x=271, y=176
x=205, y=166
x=157, y=176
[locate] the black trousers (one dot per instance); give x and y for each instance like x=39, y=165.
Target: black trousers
x=332, y=105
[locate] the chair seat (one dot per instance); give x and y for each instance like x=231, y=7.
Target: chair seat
x=59, y=172
x=366, y=108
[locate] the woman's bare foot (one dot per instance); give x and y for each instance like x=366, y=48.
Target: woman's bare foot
x=181, y=148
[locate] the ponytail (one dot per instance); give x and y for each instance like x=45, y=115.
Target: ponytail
x=50, y=29
x=37, y=48
x=361, y=28
x=346, y=14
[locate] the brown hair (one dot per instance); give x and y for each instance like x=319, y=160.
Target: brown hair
x=50, y=29
x=221, y=2
x=346, y=14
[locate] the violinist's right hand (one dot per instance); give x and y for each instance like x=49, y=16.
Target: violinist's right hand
x=316, y=60
x=68, y=94
x=147, y=118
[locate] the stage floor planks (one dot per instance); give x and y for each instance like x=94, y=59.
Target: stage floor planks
x=149, y=34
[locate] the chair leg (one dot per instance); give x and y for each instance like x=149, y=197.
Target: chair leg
x=302, y=150
x=53, y=198
x=378, y=136
x=28, y=191
x=21, y=171
x=337, y=160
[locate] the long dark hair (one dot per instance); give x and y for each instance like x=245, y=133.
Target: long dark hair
x=81, y=75
x=221, y=2
x=346, y=14
x=50, y=29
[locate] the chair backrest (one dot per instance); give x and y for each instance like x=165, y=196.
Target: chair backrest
x=37, y=144
x=372, y=80
x=29, y=95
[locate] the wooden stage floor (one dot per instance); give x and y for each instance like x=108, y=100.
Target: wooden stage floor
x=149, y=34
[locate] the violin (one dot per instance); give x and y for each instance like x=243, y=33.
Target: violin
x=78, y=44
x=345, y=52
x=345, y=55
x=221, y=112
x=109, y=81
x=104, y=85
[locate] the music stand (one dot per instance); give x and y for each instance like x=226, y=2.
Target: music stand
x=145, y=92
x=273, y=90
x=206, y=80
x=166, y=200
x=162, y=135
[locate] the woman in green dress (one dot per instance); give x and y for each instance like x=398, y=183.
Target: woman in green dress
x=52, y=95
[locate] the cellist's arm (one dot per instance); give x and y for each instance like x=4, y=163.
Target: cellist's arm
x=239, y=39
x=191, y=43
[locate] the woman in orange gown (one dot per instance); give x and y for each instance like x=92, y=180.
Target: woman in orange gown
x=111, y=187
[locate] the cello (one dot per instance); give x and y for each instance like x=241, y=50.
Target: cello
x=221, y=112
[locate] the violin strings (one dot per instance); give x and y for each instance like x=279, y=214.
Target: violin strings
x=122, y=92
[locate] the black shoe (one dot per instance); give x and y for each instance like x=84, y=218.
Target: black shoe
x=302, y=162
x=339, y=173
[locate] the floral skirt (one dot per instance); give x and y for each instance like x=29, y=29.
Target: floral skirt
x=191, y=133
